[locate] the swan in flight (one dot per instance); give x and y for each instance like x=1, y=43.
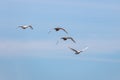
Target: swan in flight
x=58, y=29
x=26, y=26
x=78, y=51
x=65, y=38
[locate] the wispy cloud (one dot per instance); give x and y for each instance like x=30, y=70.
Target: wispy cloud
x=95, y=46
x=18, y=47
x=102, y=45
x=48, y=49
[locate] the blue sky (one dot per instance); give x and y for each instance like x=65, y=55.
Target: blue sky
x=34, y=55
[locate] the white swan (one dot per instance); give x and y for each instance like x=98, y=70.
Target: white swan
x=65, y=38
x=78, y=51
x=26, y=26
x=58, y=29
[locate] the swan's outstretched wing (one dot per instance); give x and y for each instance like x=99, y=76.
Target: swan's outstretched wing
x=64, y=30
x=19, y=27
x=73, y=49
x=71, y=39
x=30, y=26
x=84, y=49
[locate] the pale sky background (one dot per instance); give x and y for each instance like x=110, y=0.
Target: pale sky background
x=33, y=54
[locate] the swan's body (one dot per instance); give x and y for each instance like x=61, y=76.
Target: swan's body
x=65, y=38
x=26, y=26
x=78, y=51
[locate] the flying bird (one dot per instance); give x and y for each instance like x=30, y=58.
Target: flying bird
x=78, y=51
x=58, y=29
x=65, y=38
x=26, y=26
